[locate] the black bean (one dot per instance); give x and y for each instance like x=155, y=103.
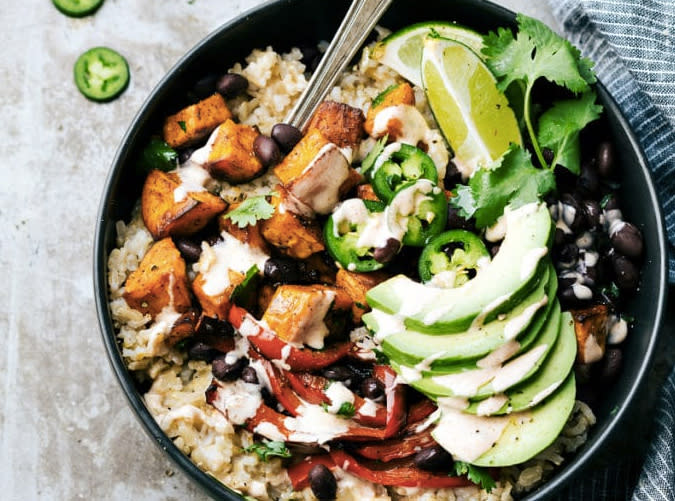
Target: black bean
x=322, y=482
x=592, y=213
x=569, y=298
x=388, y=252
x=627, y=275
x=611, y=202
x=627, y=240
x=185, y=154
x=457, y=221
x=202, y=351
x=452, y=176
x=249, y=375
x=589, y=181
x=560, y=237
x=286, y=136
x=231, y=84
x=371, y=388
x=189, y=250
x=611, y=365
x=282, y=270
x=572, y=211
x=583, y=373
x=591, y=276
x=226, y=371
x=434, y=458
x=337, y=373
x=548, y=155
x=210, y=326
x=605, y=156
x=205, y=86
x=267, y=150
x=567, y=254
x=564, y=178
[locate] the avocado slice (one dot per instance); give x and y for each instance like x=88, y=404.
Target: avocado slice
x=548, y=378
x=436, y=386
x=523, y=434
x=411, y=348
x=497, y=288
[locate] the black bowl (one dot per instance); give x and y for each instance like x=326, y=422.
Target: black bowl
x=308, y=21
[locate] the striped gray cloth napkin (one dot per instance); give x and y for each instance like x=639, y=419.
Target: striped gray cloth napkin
x=633, y=45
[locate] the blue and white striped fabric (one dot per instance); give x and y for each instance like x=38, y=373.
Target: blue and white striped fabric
x=633, y=45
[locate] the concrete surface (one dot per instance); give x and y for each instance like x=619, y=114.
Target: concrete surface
x=66, y=431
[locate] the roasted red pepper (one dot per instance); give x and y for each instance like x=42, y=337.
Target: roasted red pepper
x=299, y=472
x=396, y=448
x=273, y=348
x=395, y=395
x=401, y=474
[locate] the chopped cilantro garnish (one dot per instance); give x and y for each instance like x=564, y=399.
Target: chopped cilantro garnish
x=479, y=476
x=512, y=180
x=369, y=162
x=346, y=409
x=181, y=124
x=266, y=449
x=250, y=211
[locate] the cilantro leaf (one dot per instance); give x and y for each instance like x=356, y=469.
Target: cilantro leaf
x=559, y=128
x=157, y=154
x=242, y=293
x=265, y=450
x=369, y=162
x=512, y=180
x=346, y=409
x=250, y=211
x=182, y=125
x=535, y=52
x=476, y=474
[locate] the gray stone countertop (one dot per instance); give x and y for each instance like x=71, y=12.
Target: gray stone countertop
x=66, y=431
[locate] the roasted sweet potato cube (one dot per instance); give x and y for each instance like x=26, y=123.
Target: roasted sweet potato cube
x=250, y=234
x=317, y=173
x=265, y=295
x=216, y=305
x=164, y=216
x=356, y=285
x=297, y=313
x=365, y=192
x=591, y=327
x=294, y=235
x=195, y=122
x=232, y=156
x=402, y=93
x=339, y=123
x=160, y=281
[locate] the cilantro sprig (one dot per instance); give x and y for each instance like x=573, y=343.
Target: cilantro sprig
x=479, y=476
x=250, y=211
x=346, y=410
x=265, y=450
x=538, y=52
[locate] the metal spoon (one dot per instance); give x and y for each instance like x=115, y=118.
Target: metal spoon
x=359, y=21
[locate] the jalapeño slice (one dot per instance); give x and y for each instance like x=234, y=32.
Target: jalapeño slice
x=77, y=8
x=418, y=211
x=405, y=163
x=352, y=234
x=101, y=74
x=455, y=253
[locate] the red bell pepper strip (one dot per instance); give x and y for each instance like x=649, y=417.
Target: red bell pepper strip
x=311, y=388
x=274, y=348
x=299, y=472
x=420, y=411
x=396, y=401
x=396, y=448
x=402, y=474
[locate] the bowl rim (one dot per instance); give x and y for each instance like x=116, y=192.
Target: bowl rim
x=210, y=484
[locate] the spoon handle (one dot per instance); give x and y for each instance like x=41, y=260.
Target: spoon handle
x=359, y=21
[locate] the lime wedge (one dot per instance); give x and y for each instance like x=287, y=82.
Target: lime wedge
x=473, y=115
x=402, y=50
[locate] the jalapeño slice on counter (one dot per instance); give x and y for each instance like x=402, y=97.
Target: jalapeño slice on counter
x=101, y=74
x=418, y=211
x=405, y=163
x=77, y=8
x=351, y=234
x=455, y=253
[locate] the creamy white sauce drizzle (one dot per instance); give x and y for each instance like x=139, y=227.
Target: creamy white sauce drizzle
x=491, y=405
x=323, y=425
x=618, y=330
x=227, y=254
x=531, y=260
x=516, y=325
x=387, y=324
x=193, y=178
x=368, y=408
x=318, y=186
x=269, y=431
x=497, y=231
x=338, y=394
x=489, y=308
x=544, y=393
x=499, y=355
x=581, y=291
x=431, y=419
x=238, y=400
x=592, y=350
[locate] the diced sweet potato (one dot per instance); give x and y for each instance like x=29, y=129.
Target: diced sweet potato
x=590, y=327
x=216, y=305
x=294, y=235
x=403, y=93
x=232, y=156
x=159, y=281
x=297, y=313
x=195, y=122
x=356, y=285
x=265, y=295
x=317, y=173
x=339, y=123
x=365, y=192
x=164, y=216
x=250, y=234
